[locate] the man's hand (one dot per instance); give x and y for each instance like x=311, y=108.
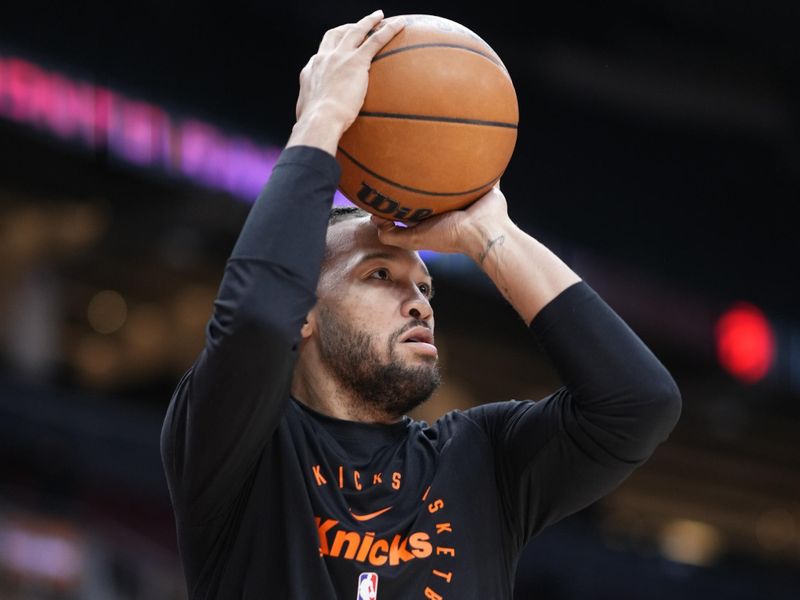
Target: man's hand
x=333, y=83
x=527, y=273
x=468, y=231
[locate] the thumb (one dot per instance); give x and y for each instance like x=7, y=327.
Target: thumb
x=391, y=234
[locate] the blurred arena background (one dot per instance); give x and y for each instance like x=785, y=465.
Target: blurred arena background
x=658, y=153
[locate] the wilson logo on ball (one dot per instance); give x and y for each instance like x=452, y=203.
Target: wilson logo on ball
x=382, y=205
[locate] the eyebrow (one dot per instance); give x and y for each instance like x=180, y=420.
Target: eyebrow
x=389, y=256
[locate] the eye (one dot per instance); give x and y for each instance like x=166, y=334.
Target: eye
x=425, y=289
x=381, y=273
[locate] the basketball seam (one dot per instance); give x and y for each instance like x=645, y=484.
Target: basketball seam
x=383, y=115
x=440, y=45
x=411, y=189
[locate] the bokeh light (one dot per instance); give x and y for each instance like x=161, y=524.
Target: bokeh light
x=107, y=311
x=745, y=342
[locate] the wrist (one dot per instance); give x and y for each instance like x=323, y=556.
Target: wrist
x=481, y=238
x=319, y=130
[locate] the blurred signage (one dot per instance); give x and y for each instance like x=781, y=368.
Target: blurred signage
x=132, y=130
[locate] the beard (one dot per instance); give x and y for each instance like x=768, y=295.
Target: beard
x=389, y=388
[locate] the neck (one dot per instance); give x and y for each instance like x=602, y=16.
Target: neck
x=314, y=385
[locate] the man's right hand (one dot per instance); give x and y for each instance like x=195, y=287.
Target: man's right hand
x=333, y=84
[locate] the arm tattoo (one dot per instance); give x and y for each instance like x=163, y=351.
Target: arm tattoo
x=496, y=241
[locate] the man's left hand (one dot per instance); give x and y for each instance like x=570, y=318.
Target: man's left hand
x=459, y=231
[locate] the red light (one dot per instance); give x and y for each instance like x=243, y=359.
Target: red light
x=745, y=342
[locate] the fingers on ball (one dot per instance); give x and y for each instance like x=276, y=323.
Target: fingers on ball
x=383, y=35
x=356, y=33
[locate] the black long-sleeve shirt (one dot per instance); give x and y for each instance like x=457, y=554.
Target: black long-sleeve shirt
x=273, y=500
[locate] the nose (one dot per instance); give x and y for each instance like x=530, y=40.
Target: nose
x=418, y=307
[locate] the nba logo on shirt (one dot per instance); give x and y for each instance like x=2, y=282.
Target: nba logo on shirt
x=367, y=586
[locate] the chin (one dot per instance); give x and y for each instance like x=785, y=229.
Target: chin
x=418, y=358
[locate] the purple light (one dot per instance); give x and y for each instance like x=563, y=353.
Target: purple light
x=138, y=132
x=428, y=255
x=134, y=131
x=236, y=165
x=48, y=555
x=340, y=200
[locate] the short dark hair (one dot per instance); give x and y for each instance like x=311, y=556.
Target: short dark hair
x=342, y=213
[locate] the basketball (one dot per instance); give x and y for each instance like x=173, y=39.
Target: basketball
x=438, y=125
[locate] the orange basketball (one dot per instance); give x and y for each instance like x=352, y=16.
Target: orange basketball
x=438, y=125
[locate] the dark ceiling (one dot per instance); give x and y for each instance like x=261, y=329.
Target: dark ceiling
x=664, y=133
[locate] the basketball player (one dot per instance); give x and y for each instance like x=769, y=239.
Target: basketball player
x=293, y=470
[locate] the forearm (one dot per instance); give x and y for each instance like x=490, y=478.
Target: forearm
x=287, y=223
x=525, y=271
x=268, y=288
x=226, y=410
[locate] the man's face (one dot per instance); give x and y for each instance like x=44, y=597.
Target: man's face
x=375, y=322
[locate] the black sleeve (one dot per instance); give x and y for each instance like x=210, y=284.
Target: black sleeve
x=227, y=406
x=558, y=455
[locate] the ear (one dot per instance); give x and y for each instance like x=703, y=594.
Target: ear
x=310, y=324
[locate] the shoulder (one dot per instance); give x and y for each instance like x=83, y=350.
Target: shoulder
x=488, y=419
